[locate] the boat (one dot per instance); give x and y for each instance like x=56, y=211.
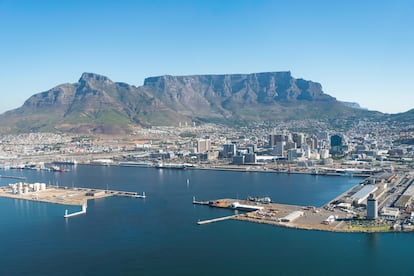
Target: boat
x=170, y=166
x=57, y=169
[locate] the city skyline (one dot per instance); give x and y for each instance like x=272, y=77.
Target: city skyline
x=359, y=52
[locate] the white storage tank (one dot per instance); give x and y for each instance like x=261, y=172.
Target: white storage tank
x=26, y=189
x=36, y=187
x=42, y=186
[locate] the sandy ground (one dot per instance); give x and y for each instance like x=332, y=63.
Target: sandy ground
x=53, y=195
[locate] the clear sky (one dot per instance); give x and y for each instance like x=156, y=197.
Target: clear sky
x=361, y=51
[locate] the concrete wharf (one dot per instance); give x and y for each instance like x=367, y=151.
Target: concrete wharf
x=67, y=196
x=199, y=202
x=67, y=215
x=201, y=222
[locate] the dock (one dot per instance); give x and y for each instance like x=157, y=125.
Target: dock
x=292, y=216
x=199, y=202
x=128, y=194
x=76, y=213
x=12, y=177
x=202, y=222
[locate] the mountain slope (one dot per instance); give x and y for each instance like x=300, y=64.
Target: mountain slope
x=93, y=104
x=96, y=104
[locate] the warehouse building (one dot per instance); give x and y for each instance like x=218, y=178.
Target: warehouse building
x=292, y=216
x=359, y=197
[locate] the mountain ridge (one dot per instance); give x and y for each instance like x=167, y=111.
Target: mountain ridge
x=96, y=104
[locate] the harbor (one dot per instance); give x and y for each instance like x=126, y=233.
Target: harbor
x=135, y=225
x=378, y=204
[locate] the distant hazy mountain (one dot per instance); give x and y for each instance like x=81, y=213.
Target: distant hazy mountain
x=353, y=105
x=96, y=104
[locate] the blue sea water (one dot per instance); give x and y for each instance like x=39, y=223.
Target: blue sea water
x=159, y=235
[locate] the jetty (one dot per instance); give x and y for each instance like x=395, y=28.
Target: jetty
x=76, y=213
x=199, y=202
x=201, y=222
x=12, y=177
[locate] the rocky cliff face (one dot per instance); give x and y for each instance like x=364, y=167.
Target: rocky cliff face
x=254, y=88
x=225, y=96
x=96, y=104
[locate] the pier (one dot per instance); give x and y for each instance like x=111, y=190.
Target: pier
x=12, y=177
x=202, y=222
x=76, y=213
x=128, y=194
x=199, y=202
x=292, y=216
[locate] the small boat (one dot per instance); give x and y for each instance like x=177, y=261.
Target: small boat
x=57, y=169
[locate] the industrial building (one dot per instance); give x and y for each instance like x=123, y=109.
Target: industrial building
x=390, y=213
x=95, y=193
x=360, y=196
x=406, y=198
x=245, y=207
x=403, y=201
x=292, y=216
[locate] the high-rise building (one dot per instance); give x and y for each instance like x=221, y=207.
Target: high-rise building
x=203, y=145
x=336, y=145
x=372, y=207
x=294, y=154
x=324, y=153
x=275, y=138
x=299, y=139
x=312, y=142
x=251, y=148
x=229, y=150
x=280, y=148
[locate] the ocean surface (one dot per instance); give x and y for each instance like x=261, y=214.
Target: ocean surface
x=159, y=235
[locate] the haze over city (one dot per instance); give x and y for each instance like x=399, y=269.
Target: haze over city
x=358, y=51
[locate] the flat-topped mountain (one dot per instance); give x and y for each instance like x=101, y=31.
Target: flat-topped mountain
x=235, y=96
x=97, y=104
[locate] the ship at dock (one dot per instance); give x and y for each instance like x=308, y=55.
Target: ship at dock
x=55, y=168
x=170, y=166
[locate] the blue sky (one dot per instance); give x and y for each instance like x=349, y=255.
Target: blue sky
x=360, y=51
